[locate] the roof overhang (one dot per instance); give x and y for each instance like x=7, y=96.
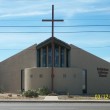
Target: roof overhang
x=56, y=41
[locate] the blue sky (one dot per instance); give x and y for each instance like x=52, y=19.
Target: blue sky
x=74, y=12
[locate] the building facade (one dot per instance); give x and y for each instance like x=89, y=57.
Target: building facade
x=75, y=70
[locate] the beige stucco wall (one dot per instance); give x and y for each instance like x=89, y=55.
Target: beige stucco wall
x=10, y=69
x=33, y=80
x=72, y=83
x=85, y=60
x=10, y=72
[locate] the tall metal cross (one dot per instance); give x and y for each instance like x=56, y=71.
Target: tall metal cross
x=52, y=20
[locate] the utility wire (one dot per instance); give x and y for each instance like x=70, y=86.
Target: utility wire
x=41, y=20
x=62, y=26
x=25, y=26
x=73, y=48
x=63, y=32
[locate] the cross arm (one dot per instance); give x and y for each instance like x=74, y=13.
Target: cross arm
x=55, y=20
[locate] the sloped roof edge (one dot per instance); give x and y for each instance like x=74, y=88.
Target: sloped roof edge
x=56, y=40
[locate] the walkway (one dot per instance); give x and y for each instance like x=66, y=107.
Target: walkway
x=51, y=98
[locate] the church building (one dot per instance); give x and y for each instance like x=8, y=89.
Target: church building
x=61, y=67
x=74, y=71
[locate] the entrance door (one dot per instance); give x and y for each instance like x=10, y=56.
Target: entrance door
x=84, y=81
x=22, y=79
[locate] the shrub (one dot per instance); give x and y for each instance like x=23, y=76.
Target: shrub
x=30, y=93
x=1, y=90
x=20, y=91
x=43, y=91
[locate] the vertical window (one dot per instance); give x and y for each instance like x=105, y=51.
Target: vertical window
x=38, y=58
x=67, y=59
x=44, y=54
x=62, y=57
x=49, y=56
x=56, y=56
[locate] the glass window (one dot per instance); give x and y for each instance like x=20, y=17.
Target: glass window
x=67, y=59
x=49, y=56
x=56, y=56
x=44, y=54
x=38, y=58
x=42, y=58
x=62, y=57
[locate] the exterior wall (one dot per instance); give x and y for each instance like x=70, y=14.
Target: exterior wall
x=72, y=83
x=10, y=72
x=10, y=69
x=68, y=80
x=33, y=79
x=85, y=60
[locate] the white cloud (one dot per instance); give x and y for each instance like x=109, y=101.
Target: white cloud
x=92, y=42
x=32, y=8
x=35, y=13
x=18, y=8
x=88, y=1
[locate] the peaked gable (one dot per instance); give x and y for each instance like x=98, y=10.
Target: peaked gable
x=56, y=41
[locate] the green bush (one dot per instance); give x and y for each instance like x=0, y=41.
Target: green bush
x=1, y=90
x=43, y=91
x=20, y=91
x=30, y=93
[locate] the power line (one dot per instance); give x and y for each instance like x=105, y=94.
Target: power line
x=99, y=47
x=85, y=32
x=25, y=32
x=65, y=19
x=73, y=48
x=25, y=26
x=63, y=32
x=90, y=19
x=62, y=26
x=21, y=20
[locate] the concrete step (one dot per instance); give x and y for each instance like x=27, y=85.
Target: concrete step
x=51, y=98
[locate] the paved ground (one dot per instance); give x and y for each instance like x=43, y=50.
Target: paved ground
x=51, y=98
x=54, y=106
x=61, y=98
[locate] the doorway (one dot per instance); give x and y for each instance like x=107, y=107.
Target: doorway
x=84, y=81
x=22, y=79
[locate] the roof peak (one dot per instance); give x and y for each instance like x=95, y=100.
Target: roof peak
x=56, y=41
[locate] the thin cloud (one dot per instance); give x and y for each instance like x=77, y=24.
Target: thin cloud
x=36, y=13
x=88, y=1
x=92, y=42
x=25, y=9
x=67, y=8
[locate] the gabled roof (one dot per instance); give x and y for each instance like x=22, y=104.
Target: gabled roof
x=56, y=41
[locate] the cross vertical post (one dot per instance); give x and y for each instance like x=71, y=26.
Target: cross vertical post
x=52, y=43
x=52, y=74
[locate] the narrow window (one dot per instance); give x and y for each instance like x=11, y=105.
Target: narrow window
x=49, y=56
x=62, y=57
x=38, y=57
x=56, y=56
x=44, y=54
x=67, y=63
